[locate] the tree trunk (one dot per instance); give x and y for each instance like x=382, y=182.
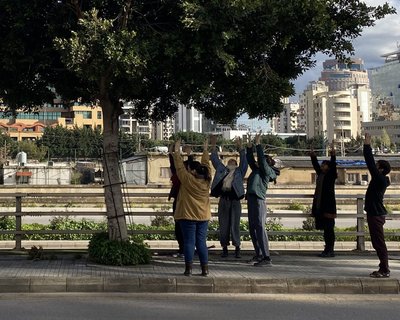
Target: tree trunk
x=117, y=229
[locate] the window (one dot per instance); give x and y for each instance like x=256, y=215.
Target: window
x=86, y=114
x=98, y=114
x=353, y=178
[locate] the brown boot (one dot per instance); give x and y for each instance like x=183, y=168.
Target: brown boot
x=188, y=269
x=204, y=270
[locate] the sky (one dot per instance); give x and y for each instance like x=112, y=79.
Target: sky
x=373, y=42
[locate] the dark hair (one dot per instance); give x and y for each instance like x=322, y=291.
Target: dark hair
x=385, y=166
x=200, y=170
x=327, y=162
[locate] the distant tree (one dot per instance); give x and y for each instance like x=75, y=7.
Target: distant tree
x=6, y=145
x=32, y=150
x=385, y=139
x=72, y=143
x=189, y=137
x=297, y=146
x=273, y=144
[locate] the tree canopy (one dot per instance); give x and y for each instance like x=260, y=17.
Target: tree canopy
x=224, y=57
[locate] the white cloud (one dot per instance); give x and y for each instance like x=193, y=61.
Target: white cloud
x=374, y=41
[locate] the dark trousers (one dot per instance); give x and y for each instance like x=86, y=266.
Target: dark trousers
x=375, y=225
x=329, y=234
x=257, y=214
x=229, y=212
x=178, y=230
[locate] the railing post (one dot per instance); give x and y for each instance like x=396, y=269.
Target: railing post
x=360, y=224
x=18, y=222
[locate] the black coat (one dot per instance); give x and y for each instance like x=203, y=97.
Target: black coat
x=377, y=186
x=328, y=201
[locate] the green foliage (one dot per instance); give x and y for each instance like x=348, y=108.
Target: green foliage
x=309, y=224
x=32, y=149
x=7, y=223
x=189, y=137
x=296, y=206
x=385, y=139
x=161, y=221
x=77, y=143
x=118, y=253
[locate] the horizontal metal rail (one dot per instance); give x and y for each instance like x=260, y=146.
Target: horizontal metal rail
x=46, y=197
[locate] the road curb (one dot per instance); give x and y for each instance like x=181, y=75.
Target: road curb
x=197, y=284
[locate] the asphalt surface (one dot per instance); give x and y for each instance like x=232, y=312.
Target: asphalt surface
x=292, y=271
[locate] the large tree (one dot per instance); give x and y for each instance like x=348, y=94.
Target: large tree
x=224, y=57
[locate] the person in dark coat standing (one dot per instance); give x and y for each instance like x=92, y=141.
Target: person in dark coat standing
x=324, y=203
x=375, y=208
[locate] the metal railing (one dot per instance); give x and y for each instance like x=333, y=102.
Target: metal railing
x=160, y=198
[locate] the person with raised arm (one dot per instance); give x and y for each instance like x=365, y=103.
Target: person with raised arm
x=257, y=184
x=375, y=208
x=324, y=202
x=193, y=207
x=174, y=192
x=228, y=186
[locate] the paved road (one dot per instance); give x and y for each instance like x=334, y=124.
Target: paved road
x=193, y=307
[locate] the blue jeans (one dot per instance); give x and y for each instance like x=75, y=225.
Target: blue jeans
x=195, y=236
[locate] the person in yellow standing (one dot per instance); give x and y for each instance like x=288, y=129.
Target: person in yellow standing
x=193, y=206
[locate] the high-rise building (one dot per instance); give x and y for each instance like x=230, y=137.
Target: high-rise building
x=129, y=124
x=340, y=76
x=188, y=119
x=288, y=120
x=335, y=114
x=385, y=80
x=164, y=130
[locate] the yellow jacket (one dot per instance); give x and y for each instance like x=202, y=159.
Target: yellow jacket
x=194, y=194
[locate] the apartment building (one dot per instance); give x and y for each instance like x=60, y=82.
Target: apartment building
x=30, y=125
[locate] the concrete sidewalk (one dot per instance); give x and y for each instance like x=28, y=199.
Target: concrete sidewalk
x=292, y=272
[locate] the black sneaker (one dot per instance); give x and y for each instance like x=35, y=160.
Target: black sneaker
x=255, y=259
x=265, y=262
x=327, y=254
x=237, y=253
x=380, y=274
x=224, y=253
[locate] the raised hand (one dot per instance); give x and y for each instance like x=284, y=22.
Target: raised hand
x=258, y=137
x=213, y=141
x=249, y=142
x=171, y=147
x=333, y=151
x=238, y=142
x=205, y=145
x=177, y=147
x=367, y=138
x=312, y=152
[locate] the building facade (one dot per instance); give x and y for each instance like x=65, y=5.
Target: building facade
x=289, y=119
x=30, y=125
x=385, y=80
x=188, y=119
x=376, y=129
x=339, y=76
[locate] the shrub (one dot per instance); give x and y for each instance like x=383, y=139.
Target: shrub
x=162, y=221
x=296, y=206
x=117, y=253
